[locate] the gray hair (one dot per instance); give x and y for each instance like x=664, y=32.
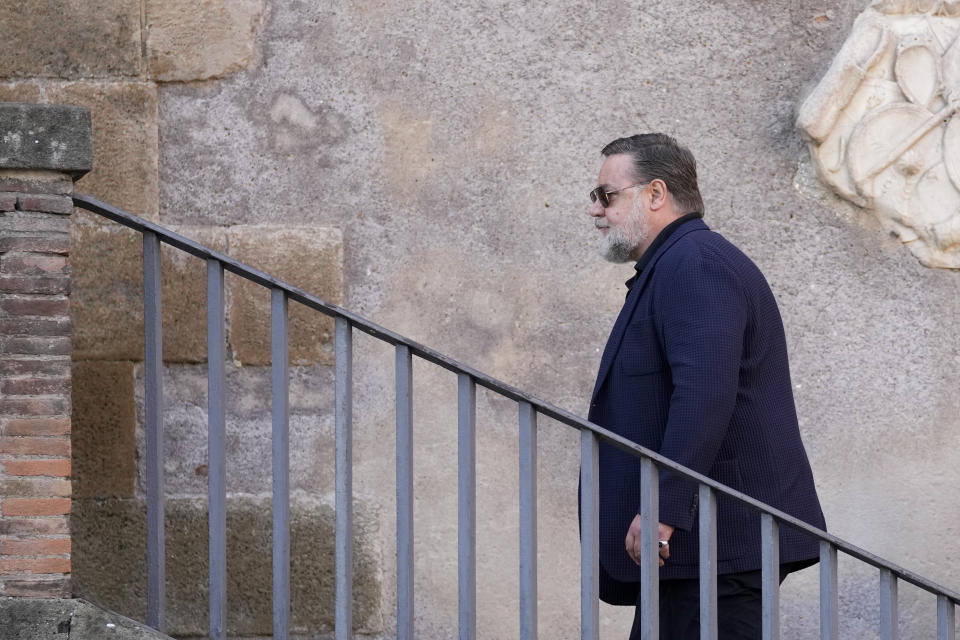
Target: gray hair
x=658, y=156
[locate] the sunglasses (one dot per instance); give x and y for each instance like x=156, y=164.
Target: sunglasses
x=604, y=196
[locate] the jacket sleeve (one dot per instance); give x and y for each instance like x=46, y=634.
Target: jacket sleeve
x=703, y=316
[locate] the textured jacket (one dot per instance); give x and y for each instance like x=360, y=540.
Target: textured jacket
x=696, y=369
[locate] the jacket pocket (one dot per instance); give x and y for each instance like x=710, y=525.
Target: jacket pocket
x=640, y=352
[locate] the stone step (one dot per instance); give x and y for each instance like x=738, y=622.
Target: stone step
x=67, y=619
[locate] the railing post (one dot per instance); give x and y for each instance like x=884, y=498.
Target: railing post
x=829, y=600
x=343, y=401
x=153, y=413
x=280, y=382
x=889, y=625
x=649, y=550
x=770, y=554
x=404, y=385
x=467, y=507
x=946, y=619
x=589, y=536
x=708, y=563
x=216, y=450
x=528, y=521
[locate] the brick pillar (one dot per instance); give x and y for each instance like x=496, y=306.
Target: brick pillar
x=43, y=149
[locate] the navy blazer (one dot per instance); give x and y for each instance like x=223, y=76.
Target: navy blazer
x=696, y=369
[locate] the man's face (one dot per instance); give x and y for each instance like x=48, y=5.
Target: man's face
x=623, y=225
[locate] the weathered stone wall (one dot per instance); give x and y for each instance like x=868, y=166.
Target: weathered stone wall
x=451, y=145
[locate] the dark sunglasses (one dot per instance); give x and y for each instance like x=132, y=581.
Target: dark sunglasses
x=604, y=196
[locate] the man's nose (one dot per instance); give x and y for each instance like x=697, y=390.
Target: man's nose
x=595, y=209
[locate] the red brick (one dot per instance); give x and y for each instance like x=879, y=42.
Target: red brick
x=33, y=264
x=8, y=201
x=47, y=243
x=46, y=203
x=36, y=506
x=23, y=445
x=42, y=326
x=35, y=487
x=35, y=565
x=35, y=547
x=59, y=468
x=57, y=184
x=39, y=588
x=31, y=223
x=32, y=365
x=34, y=526
x=35, y=386
x=34, y=306
x=36, y=346
x=54, y=285
x=45, y=406
x=37, y=427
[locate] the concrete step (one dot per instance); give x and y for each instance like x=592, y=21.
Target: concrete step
x=67, y=619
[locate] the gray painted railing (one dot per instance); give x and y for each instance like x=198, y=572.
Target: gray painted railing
x=468, y=378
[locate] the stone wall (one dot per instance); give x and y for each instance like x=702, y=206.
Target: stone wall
x=430, y=161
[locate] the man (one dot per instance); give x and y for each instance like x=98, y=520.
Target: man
x=695, y=369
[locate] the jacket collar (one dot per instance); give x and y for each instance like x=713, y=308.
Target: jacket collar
x=626, y=313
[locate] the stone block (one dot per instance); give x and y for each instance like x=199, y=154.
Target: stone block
x=70, y=38
x=106, y=305
x=310, y=258
x=104, y=427
x=124, y=116
x=185, y=296
x=199, y=40
x=248, y=429
x=107, y=302
x=45, y=136
x=109, y=550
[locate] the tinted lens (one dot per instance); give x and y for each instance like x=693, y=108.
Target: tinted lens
x=601, y=195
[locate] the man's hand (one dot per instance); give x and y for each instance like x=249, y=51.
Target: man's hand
x=664, y=531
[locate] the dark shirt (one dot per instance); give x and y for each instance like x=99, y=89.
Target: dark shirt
x=657, y=242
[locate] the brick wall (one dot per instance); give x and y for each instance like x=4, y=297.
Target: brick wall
x=35, y=384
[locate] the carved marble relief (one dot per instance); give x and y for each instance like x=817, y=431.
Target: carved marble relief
x=883, y=124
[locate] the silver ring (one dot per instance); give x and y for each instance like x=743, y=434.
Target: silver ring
x=662, y=543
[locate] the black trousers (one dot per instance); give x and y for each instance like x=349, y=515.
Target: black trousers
x=739, y=608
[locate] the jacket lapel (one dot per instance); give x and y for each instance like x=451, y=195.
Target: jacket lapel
x=626, y=313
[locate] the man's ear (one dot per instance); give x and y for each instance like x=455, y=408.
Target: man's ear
x=659, y=194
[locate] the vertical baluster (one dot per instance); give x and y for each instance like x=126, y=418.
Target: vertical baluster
x=708, y=563
x=649, y=550
x=467, y=507
x=153, y=409
x=528, y=521
x=216, y=456
x=343, y=401
x=770, y=554
x=829, y=600
x=889, y=629
x=280, y=381
x=404, y=493
x=589, y=536
x=946, y=619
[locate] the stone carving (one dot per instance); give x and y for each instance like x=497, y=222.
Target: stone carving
x=883, y=125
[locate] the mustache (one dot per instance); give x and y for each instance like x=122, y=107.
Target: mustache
x=600, y=224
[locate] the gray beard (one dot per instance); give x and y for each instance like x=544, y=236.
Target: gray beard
x=620, y=242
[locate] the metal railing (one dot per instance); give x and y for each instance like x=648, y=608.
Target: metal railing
x=468, y=379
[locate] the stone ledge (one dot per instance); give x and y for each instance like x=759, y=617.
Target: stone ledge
x=66, y=619
x=45, y=136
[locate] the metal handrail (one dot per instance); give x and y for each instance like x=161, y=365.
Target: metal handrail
x=468, y=375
